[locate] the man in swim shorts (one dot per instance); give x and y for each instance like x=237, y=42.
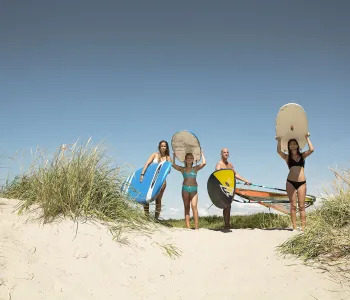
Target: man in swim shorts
x=225, y=164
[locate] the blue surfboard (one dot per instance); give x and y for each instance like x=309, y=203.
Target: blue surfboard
x=153, y=179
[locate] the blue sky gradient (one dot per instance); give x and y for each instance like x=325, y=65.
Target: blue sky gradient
x=136, y=72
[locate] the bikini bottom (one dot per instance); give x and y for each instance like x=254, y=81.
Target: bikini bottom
x=296, y=184
x=189, y=188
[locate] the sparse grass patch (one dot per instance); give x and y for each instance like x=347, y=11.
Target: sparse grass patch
x=259, y=220
x=170, y=250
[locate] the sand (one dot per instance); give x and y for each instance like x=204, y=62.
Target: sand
x=59, y=261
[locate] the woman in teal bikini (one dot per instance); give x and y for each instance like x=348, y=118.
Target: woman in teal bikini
x=189, y=186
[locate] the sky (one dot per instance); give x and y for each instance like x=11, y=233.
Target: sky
x=133, y=73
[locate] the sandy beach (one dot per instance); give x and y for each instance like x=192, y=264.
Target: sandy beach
x=59, y=261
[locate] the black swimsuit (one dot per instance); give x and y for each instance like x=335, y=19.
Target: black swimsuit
x=293, y=163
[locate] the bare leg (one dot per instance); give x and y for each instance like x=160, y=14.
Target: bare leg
x=194, y=202
x=186, y=200
x=159, y=201
x=292, y=194
x=226, y=213
x=301, y=202
x=146, y=209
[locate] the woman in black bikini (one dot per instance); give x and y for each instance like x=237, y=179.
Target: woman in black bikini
x=296, y=182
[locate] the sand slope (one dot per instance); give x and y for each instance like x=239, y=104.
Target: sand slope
x=52, y=262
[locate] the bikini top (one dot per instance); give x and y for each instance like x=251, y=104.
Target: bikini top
x=294, y=163
x=155, y=160
x=192, y=174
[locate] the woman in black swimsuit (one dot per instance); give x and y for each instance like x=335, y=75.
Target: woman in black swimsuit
x=296, y=182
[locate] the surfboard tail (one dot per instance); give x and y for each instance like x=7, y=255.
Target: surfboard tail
x=127, y=183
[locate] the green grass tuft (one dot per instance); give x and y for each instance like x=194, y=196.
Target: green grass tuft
x=77, y=182
x=170, y=250
x=259, y=220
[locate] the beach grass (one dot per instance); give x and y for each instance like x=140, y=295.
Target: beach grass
x=77, y=181
x=258, y=220
x=326, y=239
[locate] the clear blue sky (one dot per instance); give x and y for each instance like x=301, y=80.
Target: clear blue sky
x=135, y=72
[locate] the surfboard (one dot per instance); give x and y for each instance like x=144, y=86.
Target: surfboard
x=184, y=142
x=278, y=201
x=153, y=179
x=291, y=123
x=221, y=187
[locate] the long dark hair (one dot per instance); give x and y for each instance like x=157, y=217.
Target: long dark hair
x=290, y=152
x=167, y=147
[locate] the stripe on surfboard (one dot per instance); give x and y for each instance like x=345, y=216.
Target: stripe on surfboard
x=153, y=182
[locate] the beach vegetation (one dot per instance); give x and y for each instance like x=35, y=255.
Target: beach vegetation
x=77, y=181
x=326, y=239
x=252, y=221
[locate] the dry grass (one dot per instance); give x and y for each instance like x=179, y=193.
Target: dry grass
x=326, y=240
x=77, y=182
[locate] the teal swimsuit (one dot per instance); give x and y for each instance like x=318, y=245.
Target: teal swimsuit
x=189, y=188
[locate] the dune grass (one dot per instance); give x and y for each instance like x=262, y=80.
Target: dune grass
x=326, y=240
x=77, y=182
x=258, y=220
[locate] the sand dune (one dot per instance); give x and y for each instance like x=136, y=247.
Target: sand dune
x=57, y=262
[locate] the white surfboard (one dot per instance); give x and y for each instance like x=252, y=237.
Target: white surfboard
x=291, y=123
x=184, y=142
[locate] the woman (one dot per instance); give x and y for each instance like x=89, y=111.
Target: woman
x=157, y=157
x=189, y=186
x=296, y=181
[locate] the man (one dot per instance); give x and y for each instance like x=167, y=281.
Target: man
x=225, y=164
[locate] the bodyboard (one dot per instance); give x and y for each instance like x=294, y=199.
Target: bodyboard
x=153, y=179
